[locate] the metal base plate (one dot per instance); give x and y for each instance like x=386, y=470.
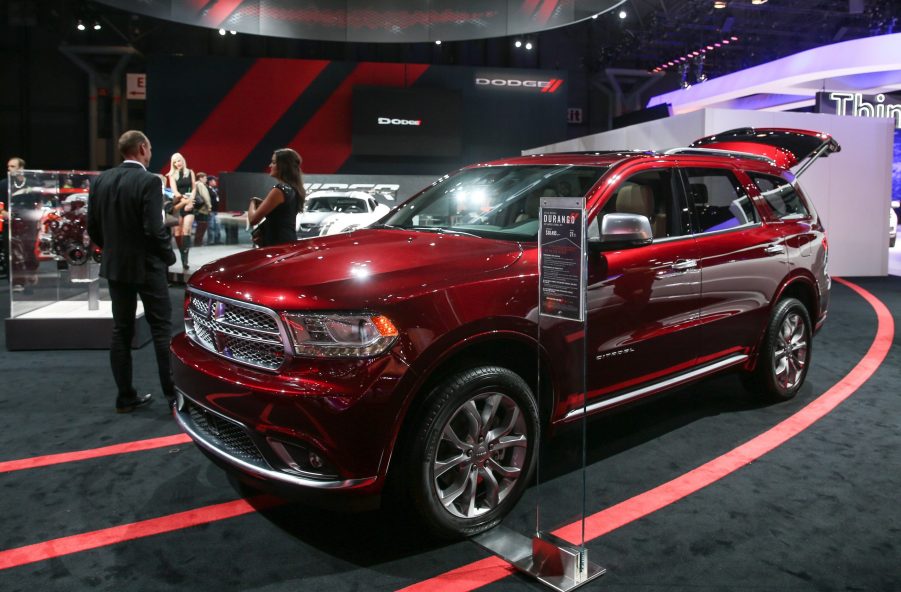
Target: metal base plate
x=552, y=562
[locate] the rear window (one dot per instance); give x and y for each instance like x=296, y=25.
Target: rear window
x=718, y=200
x=782, y=196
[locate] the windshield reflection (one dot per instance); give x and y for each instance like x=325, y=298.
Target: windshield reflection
x=493, y=202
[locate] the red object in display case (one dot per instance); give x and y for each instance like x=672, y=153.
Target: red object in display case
x=407, y=354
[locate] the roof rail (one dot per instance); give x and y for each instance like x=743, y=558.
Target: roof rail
x=715, y=152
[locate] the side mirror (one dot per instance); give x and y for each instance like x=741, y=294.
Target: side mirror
x=622, y=231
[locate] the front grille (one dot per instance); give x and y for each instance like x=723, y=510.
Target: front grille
x=236, y=331
x=226, y=435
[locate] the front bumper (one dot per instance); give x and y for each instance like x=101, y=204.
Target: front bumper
x=323, y=425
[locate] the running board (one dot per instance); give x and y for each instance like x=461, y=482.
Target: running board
x=659, y=386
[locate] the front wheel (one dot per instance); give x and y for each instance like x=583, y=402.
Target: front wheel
x=784, y=356
x=473, y=450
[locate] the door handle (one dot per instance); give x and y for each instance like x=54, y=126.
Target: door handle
x=684, y=264
x=774, y=250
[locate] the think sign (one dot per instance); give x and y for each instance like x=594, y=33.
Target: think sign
x=858, y=105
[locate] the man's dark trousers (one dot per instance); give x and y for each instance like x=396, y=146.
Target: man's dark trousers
x=154, y=294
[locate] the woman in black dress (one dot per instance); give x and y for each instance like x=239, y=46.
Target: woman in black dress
x=277, y=213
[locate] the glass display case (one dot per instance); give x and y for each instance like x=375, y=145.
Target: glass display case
x=57, y=298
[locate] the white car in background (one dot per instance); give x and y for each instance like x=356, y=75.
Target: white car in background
x=892, y=227
x=331, y=212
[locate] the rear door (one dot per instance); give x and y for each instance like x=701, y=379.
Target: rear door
x=742, y=260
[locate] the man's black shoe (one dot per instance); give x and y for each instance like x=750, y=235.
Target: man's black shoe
x=129, y=405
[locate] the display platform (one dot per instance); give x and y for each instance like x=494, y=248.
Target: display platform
x=698, y=490
x=200, y=256
x=69, y=324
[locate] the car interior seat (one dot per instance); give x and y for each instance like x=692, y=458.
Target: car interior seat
x=532, y=205
x=639, y=199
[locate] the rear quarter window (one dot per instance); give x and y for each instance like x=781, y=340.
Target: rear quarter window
x=783, y=197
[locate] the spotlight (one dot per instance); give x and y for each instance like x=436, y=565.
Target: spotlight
x=517, y=43
x=80, y=25
x=233, y=32
x=595, y=16
x=528, y=45
x=758, y=1
x=222, y=31
x=97, y=26
x=437, y=42
x=719, y=4
x=622, y=14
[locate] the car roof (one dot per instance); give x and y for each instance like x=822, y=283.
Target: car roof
x=610, y=157
x=592, y=158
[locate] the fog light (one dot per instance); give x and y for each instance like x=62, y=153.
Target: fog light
x=316, y=461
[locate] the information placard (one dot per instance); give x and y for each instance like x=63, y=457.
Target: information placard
x=561, y=258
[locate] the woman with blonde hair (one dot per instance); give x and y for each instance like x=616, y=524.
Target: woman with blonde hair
x=182, y=181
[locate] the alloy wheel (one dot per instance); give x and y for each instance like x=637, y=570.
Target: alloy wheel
x=791, y=351
x=481, y=454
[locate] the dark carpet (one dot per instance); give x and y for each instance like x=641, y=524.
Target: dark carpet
x=819, y=513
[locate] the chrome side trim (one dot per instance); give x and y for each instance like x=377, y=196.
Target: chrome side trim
x=659, y=386
x=266, y=473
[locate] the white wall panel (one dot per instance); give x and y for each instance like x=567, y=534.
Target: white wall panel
x=850, y=190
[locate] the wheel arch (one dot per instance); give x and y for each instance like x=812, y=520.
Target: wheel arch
x=509, y=349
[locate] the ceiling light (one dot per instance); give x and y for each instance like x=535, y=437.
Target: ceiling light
x=758, y=1
x=622, y=14
x=517, y=43
x=80, y=25
x=719, y=4
x=437, y=42
x=528, y=45
x=233, y=32
x=97, y=26
x=222, y=31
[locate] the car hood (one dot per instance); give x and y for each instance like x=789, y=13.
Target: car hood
x=358, y=270
x=314, y=217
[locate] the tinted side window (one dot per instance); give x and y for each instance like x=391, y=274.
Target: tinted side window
x=781, y=195
x=650, y=194
x=718, y=199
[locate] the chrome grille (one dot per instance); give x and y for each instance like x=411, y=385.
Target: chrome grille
x=239, y=332
x=226, y=436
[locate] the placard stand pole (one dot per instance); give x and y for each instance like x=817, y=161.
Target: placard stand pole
x=562, y=278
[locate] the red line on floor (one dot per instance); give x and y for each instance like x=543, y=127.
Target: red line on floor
x=64, y=457
x=480, y=573
x=491, y=569
x=135, y=530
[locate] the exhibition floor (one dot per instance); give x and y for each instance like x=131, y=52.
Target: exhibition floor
x=96, y=500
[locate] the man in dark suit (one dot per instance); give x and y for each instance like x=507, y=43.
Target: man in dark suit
x=125, y=219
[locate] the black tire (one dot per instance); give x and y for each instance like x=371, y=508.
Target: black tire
x=785, y=353
x=481, y=480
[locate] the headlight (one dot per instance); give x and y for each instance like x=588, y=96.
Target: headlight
x=340, y=335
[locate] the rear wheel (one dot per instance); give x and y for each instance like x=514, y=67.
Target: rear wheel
x=784, y=357
x=473, y=450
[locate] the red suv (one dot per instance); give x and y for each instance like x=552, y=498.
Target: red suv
x=407, y=352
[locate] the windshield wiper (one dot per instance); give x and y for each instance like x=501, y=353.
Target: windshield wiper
x=442, y=230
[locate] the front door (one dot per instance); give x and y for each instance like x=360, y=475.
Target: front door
x=642, y=303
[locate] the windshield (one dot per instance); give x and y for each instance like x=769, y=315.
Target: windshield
x=493, y=202
x=335, y=203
